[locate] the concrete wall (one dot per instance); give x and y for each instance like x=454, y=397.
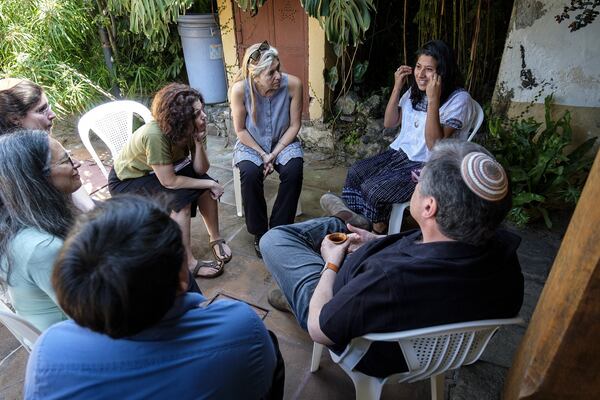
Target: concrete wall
x=541, y=57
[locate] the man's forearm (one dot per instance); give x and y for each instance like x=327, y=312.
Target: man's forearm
x=321, y=296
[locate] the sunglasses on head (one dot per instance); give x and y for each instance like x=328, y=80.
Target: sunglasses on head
x=255, y=55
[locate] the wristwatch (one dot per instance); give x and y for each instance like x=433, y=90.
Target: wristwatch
x=330, y=266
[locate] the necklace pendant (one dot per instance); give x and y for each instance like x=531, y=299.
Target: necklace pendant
x=416, y=123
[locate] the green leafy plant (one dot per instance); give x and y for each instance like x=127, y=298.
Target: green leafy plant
x=151, y=18
x=54, y=44
x=543, y=175
x=344, y=21
x=144, y=40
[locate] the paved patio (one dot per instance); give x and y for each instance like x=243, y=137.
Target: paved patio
x=247, y=279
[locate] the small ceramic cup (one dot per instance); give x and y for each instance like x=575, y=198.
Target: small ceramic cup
x=337, y=237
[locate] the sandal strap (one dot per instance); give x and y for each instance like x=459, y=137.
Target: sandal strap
x=218, y=241
x=223, y=256
x=209, y=264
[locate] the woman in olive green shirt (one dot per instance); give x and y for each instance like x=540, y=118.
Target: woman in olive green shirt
x=167, y=156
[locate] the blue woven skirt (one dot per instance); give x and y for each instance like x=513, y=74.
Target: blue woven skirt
x=374, y=184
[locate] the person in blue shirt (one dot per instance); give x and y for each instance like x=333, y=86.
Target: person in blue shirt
x=135, y=330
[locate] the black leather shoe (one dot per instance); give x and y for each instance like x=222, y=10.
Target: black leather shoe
x=256, y=246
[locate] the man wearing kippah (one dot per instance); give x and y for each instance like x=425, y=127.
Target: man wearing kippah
x=458, y=266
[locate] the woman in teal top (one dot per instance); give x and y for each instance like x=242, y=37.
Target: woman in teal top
x=37, y=177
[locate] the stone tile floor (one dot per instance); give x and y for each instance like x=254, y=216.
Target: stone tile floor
x=247, y=279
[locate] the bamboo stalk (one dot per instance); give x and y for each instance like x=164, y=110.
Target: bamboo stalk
x=404, y=32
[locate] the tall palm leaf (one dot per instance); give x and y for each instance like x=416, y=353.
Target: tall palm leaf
x=344, y=21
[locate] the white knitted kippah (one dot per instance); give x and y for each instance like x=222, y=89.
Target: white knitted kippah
x=484, y=176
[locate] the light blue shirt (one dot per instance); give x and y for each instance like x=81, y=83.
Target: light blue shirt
x=32, y=254
x=272, y=120
x=216, y=351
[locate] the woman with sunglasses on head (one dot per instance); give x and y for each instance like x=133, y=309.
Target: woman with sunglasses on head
x=168, y=156
x=38, y=179
x=266, y=106
x=24, y=105
x=434, y=106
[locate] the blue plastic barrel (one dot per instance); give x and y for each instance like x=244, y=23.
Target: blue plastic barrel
x=203, y=53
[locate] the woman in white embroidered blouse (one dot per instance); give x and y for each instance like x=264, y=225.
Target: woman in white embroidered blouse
x=434, y=107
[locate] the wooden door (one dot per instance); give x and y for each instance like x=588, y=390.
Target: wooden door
x=284, y=24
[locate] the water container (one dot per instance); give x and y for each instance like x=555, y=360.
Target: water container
x=203, y=53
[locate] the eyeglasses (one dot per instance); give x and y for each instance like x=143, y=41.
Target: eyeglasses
x=65, y=160
x=45, y=109
x=255, y=55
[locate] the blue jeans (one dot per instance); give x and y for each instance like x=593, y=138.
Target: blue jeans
x=292, y=255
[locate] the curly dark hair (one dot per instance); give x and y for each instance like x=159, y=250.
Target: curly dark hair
x=173, y=110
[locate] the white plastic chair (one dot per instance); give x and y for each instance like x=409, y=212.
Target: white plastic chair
x=428, y=352
x=113, y=123
x=237, y=192
x=395, y=222
x=23, y=330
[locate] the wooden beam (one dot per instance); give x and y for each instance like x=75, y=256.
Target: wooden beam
x=559, y=356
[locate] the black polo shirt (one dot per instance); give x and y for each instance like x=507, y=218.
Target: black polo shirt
x=395, y=284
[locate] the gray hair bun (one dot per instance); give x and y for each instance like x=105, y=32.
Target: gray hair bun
x=484, y=176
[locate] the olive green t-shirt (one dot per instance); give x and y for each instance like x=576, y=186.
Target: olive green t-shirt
x=148, y=146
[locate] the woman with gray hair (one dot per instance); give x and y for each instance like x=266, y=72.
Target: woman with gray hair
x=266, y=106
x=37, y=177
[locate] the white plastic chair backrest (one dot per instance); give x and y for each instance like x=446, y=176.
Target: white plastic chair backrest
x=430, y=351
x=477, y=120
x=113, y=123
x=23, y=330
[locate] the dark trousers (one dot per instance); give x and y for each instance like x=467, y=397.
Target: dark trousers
x=253, y=196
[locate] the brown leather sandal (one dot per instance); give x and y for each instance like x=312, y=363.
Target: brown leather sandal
x=219, y=257
x=215, y=266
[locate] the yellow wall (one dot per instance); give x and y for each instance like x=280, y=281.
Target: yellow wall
x=316, y=65
x=228, y=37
x=316, y=56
